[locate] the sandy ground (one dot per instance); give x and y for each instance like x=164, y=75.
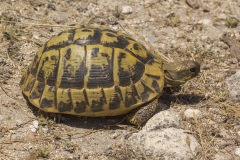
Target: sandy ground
x=177, y=29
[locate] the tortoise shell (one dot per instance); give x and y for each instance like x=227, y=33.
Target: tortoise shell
x=92, y=72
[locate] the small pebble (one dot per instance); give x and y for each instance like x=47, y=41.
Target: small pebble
x=193, y=3
x=206, y=9
x=35, y=36
x=114, y=136
x=32, y=128
x=127, y=10
x=237, y=152
x=189, y=113
x=35, y=124
x=205, y=21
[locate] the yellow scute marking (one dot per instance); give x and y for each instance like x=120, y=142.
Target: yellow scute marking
x=49, y=95
x=57, y=40
x=142, y=52
x=76, y=58
x=50, y=63
x=79, y=34
x=106, y=38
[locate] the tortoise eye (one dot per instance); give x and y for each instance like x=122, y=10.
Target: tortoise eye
x=193, y=69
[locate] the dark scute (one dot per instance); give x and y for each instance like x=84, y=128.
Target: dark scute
x=97, y=105
x=80, y=107
x=29, y=86
x=45, y=103
x=85, y=96
x=129, y=38
x=146, y=92
x=124, y=77
x=121, y=56
x=118, y=90
x=40, y=76
x=77, y=81
x=152, y=76
x=122, y=42
x=86, y=30
x=63, y=107
x=136, y=46
x=105, y=55
x=51, y=79
x=58, y=46
x=110, y=35
x=156, y=86
x=68, y=54
x=103, y=96
x=99, y=77
x=54, y=58
x=94, y=52
x=138, y=70
x=38, y=91
x=134, y=75
x=24, y=77
x=130, y=98
x=71, y=36
x=150, y=62
x=95, y=39
x=33, y=70
x=114, y=102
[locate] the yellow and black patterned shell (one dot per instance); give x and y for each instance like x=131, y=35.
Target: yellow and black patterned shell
x=92, y=72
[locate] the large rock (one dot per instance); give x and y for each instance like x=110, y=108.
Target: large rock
x=163, y=138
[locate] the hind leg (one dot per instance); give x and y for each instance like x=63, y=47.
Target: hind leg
x=142, y=114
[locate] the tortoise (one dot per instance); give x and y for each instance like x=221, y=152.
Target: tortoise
x=98, y=72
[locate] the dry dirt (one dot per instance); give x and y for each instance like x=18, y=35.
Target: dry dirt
x=177, y=29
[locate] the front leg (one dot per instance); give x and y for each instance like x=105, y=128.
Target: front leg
x=140, y=115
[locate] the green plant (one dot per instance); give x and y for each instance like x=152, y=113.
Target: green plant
x=12, y=34
x=231, y=22
x=43, y=152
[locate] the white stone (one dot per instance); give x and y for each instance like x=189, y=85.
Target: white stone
x=238, y=133
x=189, y=113
x=35, y=36
x=205, y=21
x=237, y=152
x=32, y=128
x=127, y=10
x=35, y=124
x=164, y=119
x=163, y=137
x=168, y=143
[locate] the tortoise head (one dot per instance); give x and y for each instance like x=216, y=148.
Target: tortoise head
x=177, y=73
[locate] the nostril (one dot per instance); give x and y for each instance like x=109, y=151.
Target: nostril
x=193, y=69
